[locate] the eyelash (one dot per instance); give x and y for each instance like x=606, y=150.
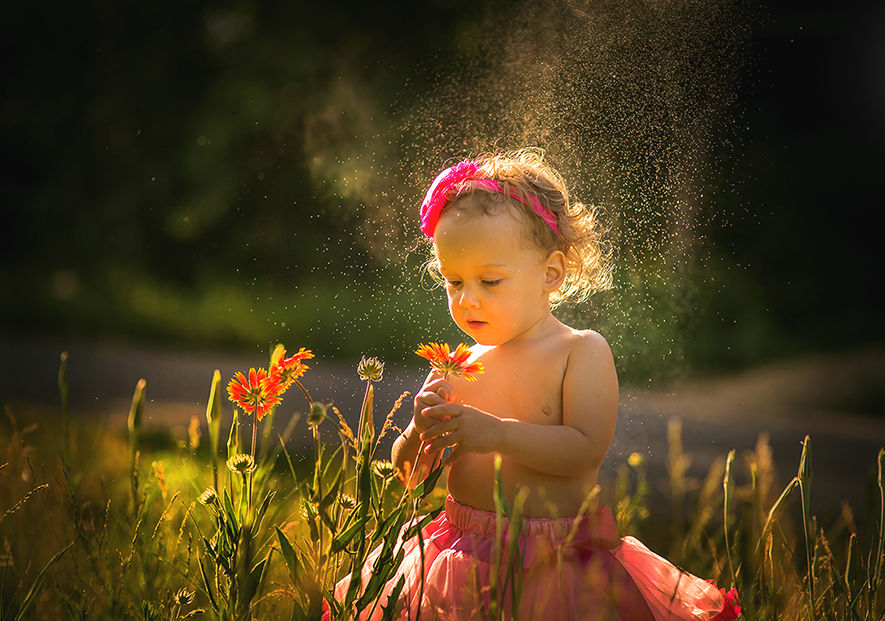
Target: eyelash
x=487, y=283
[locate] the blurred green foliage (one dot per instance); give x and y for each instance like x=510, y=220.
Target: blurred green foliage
x=232, y=173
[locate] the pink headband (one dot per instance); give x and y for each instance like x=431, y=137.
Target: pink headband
x=437, y=195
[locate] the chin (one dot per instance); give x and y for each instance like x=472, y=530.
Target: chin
x=487, y=339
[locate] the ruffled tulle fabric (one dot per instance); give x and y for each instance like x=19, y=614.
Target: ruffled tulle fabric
x=570, y=569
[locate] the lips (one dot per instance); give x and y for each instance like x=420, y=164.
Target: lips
x=476, y=325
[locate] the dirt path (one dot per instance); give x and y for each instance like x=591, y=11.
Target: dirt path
x=820, y=397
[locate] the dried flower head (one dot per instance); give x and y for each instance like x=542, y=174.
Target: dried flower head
x=317, y=413
x=287, y=370
x=258, y=393
x=183, y=597
x=447, y=362
x=241, y=463
x=383, y=468
x=210, y=497
x=346, y=501
x=370, y=369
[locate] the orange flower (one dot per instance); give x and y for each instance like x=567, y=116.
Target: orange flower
x=444, y=361
x=259, y=393
x=287, y=370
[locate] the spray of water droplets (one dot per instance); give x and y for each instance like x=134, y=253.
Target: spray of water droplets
x=632, y=100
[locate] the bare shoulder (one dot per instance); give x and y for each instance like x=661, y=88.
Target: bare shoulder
x=590, y=371
x=590, y=391
x=588, y=348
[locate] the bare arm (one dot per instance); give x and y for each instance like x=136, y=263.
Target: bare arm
x=578, y=446
x=404, y=456
x=412, y=468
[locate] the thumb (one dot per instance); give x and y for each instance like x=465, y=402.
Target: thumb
x=446, y=392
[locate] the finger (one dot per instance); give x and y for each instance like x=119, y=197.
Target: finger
x=446, y=391
x=441, y=442
x=442, y=412
x=429, y=398
x=438, y=428
x=441, y=387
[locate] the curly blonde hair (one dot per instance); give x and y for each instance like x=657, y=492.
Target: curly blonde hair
x=524, y=173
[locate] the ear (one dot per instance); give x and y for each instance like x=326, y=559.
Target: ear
x=554, y=271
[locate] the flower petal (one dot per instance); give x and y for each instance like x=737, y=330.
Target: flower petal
x=445, y=362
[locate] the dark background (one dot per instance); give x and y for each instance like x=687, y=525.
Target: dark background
x=225, y=175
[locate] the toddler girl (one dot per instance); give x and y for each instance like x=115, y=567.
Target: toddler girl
x=508, y=245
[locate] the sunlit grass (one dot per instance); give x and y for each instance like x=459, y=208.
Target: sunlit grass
x=97, y=522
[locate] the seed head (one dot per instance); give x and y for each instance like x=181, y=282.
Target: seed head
x=383, y=469
x=370, y=369
x=209, y=497
x=183, y=597
x=317, y=413
x=241, y=463
x=346, y=501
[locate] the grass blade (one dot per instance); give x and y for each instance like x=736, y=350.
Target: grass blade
x=65, y=421
x=38, y=583
x=728, y=489
x=213, y=418
x=805, y=477
x=881, y=521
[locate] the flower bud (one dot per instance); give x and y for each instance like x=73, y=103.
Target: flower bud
x=210, y=497
x=317, y=413
x=383, y=469
x=370, y=369
x=241, y=463
x=183, y=597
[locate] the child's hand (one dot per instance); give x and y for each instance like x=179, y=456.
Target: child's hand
x=434, y=392
x=466, y=429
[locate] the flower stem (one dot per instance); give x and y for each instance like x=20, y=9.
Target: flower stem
x=252, y=472
x=437, y=457
x=306, y=394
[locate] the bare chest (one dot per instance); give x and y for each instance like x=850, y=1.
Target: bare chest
x=529, y=392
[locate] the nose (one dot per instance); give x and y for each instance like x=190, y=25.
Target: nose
x=469, y=297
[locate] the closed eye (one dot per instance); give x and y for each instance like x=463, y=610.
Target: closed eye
x=491, y=283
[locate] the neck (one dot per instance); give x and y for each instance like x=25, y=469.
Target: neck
x=545, y=325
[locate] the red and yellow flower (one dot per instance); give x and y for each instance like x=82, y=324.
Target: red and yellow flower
x=258, y=393
x=447, y=362
x=287, y=370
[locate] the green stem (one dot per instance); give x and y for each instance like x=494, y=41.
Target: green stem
x=63, y=393
x=306, y=394
x=319, y=486
x=881, y=486
x=252, y=472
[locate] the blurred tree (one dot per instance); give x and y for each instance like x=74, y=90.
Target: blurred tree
x=160, y=158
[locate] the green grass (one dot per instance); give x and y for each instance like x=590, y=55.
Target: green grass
x=101, y=523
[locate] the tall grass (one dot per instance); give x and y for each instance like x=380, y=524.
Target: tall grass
x=100, y=525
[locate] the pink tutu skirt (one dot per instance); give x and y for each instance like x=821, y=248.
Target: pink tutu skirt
x=570, y=569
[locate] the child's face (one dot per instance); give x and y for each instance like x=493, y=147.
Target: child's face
x=498, y=285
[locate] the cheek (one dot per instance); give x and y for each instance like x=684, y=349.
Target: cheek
x=453, y=307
